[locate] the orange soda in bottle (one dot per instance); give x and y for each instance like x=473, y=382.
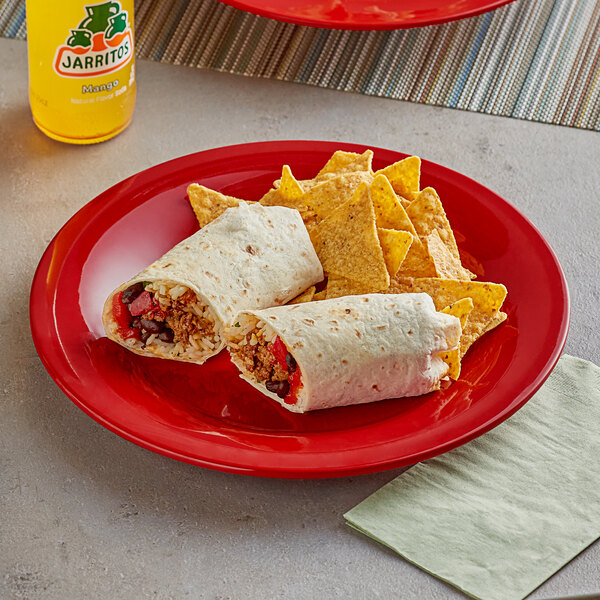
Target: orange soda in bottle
x=81, y=68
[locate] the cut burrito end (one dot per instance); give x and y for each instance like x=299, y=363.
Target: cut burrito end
x=164, y=319
x=265, y=362
x=249, y=257
x=343, y=351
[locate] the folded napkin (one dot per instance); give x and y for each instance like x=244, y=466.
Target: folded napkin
x=500, y=515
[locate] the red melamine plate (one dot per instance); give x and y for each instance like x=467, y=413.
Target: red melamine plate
x=206, y=415
x=366, y=14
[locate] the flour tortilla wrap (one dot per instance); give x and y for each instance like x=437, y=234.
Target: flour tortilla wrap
x=250, y=257
x=348, y=350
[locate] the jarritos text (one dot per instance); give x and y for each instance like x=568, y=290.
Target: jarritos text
x=100, y=44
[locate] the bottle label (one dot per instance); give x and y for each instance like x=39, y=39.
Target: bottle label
x=101, y=43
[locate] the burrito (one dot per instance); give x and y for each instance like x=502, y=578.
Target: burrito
x=250, y=257
x=347, y=350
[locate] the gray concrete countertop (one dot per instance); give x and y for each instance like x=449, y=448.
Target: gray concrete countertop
x=86, y=514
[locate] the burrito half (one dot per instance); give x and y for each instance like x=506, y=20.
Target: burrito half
x=347, y=350
x=250, y=257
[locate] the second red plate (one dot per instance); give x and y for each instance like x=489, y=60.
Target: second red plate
x=206, y=415
x=366, y=14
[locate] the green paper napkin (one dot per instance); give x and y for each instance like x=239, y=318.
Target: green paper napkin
x=500, y=515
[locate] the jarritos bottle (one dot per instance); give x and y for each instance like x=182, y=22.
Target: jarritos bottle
x=81, y=68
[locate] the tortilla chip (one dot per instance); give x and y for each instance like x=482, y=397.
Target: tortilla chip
x=395, y=246
x=404, y=201
x=347, y=245
x=275, y=197
x=452, y=359
x=446, y=264
x=305, y=184
x=389, y=212
x=417, y=263
x=487, y=300
x=272, y=198
x=310, y=219
x=498, y=318
x=460, y=309
x=289, y=188
x=404, y=176
x=288, y=194
x=410, y=196
x=427, y=215
x=320, y=295
x=208, y=204
x=342, y=286
x=326, y=197
x=470, y=336
x=339, y=160
x=305, y=296
x=346, y=162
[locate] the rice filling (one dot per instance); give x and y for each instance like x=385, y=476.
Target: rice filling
x=167, y=320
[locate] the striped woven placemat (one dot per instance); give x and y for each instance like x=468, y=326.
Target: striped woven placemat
x=532, y=59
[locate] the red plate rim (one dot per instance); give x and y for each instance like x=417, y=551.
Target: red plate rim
x=363, y=22
x=41, y=323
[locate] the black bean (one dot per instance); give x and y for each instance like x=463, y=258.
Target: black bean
x=136, y=323
x=281, y=388
x=144, y=335
x=290, y=361
x=151, y=326
x=132, y=292
x=166, y=335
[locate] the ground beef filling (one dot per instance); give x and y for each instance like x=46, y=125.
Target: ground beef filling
x=270, y=363
x=171, y=323
x=259, y=361
x=186, y=324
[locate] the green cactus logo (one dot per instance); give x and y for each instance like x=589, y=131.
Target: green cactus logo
x=102, y=42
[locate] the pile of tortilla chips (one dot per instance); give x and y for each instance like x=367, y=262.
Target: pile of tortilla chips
x=378, y=232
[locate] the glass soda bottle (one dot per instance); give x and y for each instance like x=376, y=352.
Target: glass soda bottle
x=81, y=68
